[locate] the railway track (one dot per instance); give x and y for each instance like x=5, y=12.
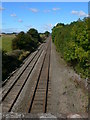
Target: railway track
x=33, y=80
x=39, y=95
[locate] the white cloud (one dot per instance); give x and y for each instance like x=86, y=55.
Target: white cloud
x=47, y=27
x=47, y=11
x=79, y=13
x=34, y=10
x=20, y=20
x=82, y=14
x=28, y=26
x=50, y=25
x=74, y=12
x=13, y=15
x=2, y=8
x=55, y=9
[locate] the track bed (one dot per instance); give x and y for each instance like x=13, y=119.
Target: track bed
x=27, y=90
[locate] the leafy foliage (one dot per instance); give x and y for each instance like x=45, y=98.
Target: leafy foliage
x=34, y=35
x=47, y=33
x=44, y=35
x=22, y=45
x=27, y=41
x=73, y=42
x=9, y=63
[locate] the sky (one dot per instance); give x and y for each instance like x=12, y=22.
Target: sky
x=45, y=0
x=21, y=16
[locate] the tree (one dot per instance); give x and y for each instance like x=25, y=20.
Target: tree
x=73, y=42
x=47, y=33
x=25, y=41
x=19, y=41
x=34, y=34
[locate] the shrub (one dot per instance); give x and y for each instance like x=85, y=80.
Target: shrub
x=47, y=33
x=73, y=42
x=9, y=63
x=24, y=41
x=24, y=55
x=34, y=35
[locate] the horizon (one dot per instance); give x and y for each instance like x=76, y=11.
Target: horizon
x=21, y=16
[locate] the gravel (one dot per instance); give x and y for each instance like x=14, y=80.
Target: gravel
x=66, y=96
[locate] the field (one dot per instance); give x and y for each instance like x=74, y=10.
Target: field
x=7, y=42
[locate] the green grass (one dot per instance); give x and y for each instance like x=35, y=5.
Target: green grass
x=7, y=42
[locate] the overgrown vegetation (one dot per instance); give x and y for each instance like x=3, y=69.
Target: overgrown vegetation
x=43, y=36
x=9, y=63
x=73, y=42
x=26, y=41
x=19, y=47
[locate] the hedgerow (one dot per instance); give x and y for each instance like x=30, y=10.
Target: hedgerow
x=73, y=42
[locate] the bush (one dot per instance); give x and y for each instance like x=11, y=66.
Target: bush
x=34, y=35
x=9, y=63
x=72, y=41
x=24, y=55
x=15, y=53
x=24, y=41
x=47, y=33
x=27, y=41
x=23, y=44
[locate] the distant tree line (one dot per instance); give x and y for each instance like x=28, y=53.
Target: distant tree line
x=73, y=41
x=22, y=45
x=28, y=41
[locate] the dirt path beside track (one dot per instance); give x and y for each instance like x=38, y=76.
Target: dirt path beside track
x=66, y=96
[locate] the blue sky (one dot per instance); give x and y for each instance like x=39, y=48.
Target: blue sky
x=21, y=16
